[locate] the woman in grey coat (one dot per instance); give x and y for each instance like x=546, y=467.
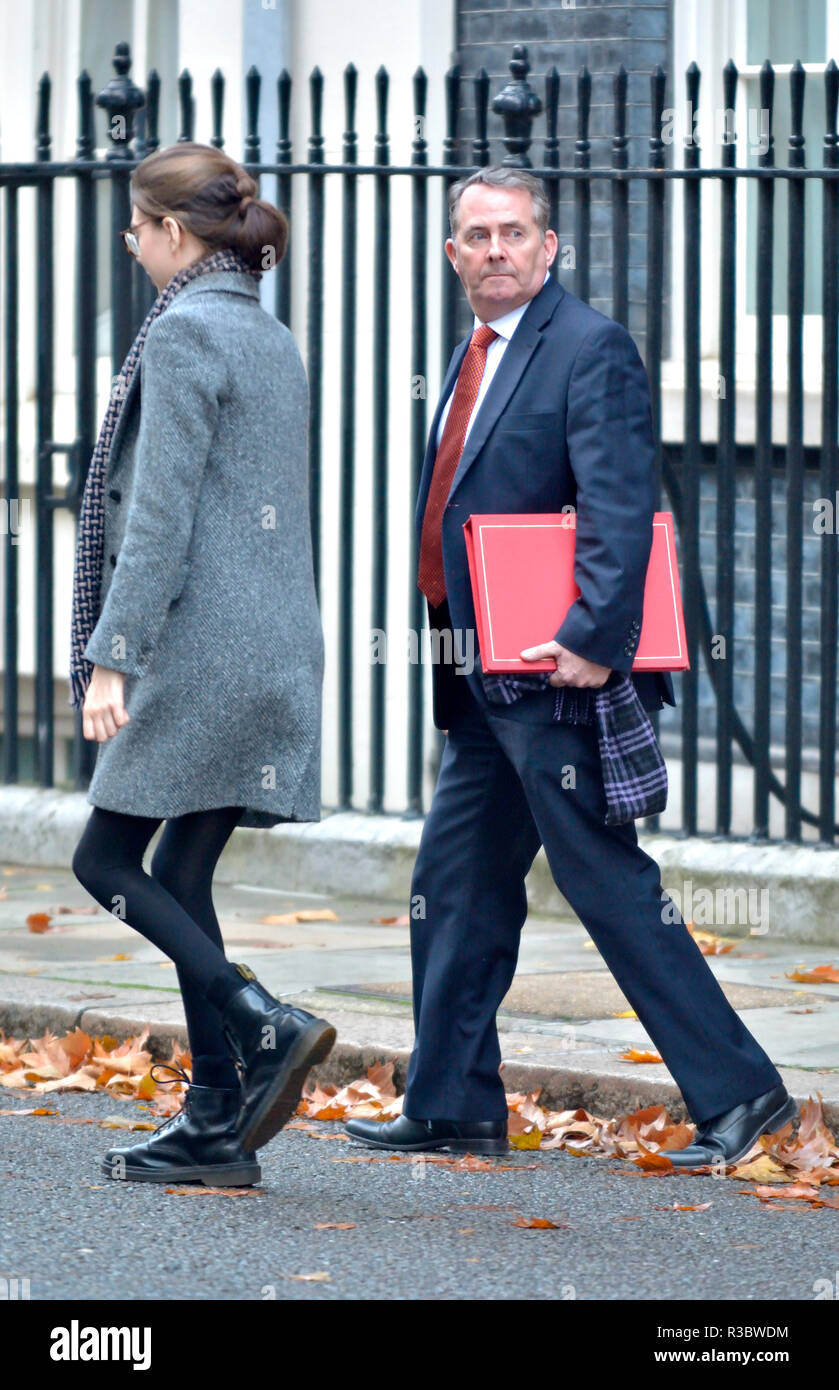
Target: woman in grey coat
x=197, y=650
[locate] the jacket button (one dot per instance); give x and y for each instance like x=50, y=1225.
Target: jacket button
x=113, y=559
x=115, y=493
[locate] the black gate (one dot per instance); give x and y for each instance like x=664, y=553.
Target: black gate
x=571, y=177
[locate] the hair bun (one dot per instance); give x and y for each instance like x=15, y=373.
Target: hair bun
x=244, y=204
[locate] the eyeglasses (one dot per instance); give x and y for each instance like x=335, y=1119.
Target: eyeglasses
x=129, y=237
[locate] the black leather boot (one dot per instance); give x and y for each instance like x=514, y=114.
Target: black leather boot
x=275, y=1045
x=199, y=1143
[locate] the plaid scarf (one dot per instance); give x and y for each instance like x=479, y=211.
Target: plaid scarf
x=634, y=774
x=87, y=575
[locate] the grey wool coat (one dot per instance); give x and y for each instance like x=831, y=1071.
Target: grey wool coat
x=208, y=595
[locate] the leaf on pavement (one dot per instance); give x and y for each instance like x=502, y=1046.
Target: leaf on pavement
x=38, y=1110
x=536, y=1223
x=652, y=1162
x=817, y=975
x=529, y=1140
x=125, y=1122
x=38, y=921
x=200, y=1191
x=709, y=943
x=676, y=1206
x=308, y=914
x=761, y=1169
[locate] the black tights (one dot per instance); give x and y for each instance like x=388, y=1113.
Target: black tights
x=173, y=907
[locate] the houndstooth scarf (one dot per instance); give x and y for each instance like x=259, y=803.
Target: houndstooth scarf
x=87, y=575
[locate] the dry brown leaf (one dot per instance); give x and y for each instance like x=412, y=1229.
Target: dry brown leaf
x=816, y=975
x=761, y=1169
x=529, y=1140
x=794, y=1191
x=709, y=943
x=536, y=1223
x=308, y=914
x=201, y=1191
x=652, y=1162
x=76, y=1081
x=77, y=1045
x=129, y=1063
x=676, y=1206
x=123, y=1122
x=38, y=921
x=38, y=1110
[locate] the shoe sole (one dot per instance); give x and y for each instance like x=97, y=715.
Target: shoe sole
x=221, y=1175
x=280, y=1102
x=464, y=1146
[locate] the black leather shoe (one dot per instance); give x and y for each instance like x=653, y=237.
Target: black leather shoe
x=199, y=1143
x=728, y=1137
x=275, y=1045
x=412, y=1136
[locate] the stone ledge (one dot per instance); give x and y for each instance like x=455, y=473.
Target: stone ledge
x=355, y=854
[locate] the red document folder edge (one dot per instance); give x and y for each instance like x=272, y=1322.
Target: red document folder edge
x=522, y=570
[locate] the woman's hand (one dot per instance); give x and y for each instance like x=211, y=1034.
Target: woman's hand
x=103, y=711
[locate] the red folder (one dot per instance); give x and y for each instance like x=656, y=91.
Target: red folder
x=522, y=571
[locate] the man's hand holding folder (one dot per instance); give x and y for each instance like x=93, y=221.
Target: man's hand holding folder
x=571, y=669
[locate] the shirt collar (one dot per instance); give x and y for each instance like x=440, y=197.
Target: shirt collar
x=506, y=325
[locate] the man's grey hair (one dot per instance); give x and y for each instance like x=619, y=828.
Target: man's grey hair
x=501, y=176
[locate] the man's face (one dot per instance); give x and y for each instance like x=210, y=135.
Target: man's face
x=498, y=253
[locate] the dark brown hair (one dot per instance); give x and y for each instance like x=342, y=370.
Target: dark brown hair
x=214, y=198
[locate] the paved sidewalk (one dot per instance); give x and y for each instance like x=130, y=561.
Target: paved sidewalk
x=558, y=1024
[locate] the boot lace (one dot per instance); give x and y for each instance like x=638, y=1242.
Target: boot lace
x=181, y=1075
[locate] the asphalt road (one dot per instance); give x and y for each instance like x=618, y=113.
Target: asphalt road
x=420, y=1230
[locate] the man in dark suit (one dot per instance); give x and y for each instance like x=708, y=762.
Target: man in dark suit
x=545, y=406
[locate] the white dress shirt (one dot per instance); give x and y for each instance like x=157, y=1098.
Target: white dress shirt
x=505, y=327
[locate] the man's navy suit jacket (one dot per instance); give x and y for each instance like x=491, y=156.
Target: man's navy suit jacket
x=566, y=422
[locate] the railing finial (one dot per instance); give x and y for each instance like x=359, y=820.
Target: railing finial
x=121, y=98
x=517, y=105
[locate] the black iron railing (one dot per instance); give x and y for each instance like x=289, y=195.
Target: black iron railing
x=132, y=129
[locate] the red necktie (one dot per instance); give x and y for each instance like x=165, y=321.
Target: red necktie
x=430, y=575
